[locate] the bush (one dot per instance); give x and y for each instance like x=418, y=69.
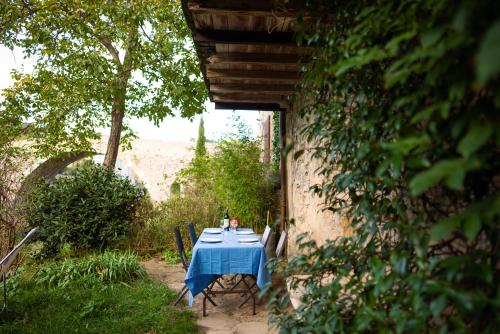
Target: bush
x=152, y=233
x=172, y=257
x=406, y=100
x=240, y=181
x=88, y=208
x=92, y=269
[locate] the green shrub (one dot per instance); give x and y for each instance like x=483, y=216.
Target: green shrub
x=88, y=208
x=172, y=257
x=403, y=114
x=154, y=233
x=240, y=181
x=92, y=269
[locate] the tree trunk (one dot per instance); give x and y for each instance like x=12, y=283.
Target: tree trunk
x=116, y=129
x=118, y=112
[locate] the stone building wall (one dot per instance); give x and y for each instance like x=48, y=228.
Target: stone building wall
x=303, y=206
x=267, y=134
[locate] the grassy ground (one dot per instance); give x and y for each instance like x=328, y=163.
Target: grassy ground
x=138, y=307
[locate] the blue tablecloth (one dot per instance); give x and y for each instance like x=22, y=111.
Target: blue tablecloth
x=227, y=257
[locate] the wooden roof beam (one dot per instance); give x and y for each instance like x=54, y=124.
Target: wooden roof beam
x=244, y=37
x=249, y=106
x=256, y=58
x=252, y=8
x=250, y=98
x=246, y=5
x=256, y=88
x=260, y=75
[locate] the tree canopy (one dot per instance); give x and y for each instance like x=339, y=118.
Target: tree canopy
x=97, y=64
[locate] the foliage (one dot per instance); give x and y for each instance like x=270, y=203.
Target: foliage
x=135, y=307
x=200, y=150
x=96, y=64
x=239, y=181
x=233, y=177
x=153, y=232
x=276, y=141
x=88, y=208
x=200, y=209
x=172, y=257
x=13, y=161
x=93, y=269
x=405, y=100
x=199, y=202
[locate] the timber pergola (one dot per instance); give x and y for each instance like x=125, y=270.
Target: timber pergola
x=248, y=52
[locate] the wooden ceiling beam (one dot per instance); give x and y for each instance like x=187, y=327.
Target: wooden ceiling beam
x=246, y=88
x=256, y=58
x=253, y=8
x=246, y=5
x=261, y=75
x=249, y=106
x=244, y=37
x=225, y=99
x=250, y=98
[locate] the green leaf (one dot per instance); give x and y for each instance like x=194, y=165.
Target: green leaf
x=393, y=45
x=476, y=137
x=405, y=145
x=472, y=225
x=488, y=55
x=456, y=179
x=444, y=228
x=437, y=305
x=425, y=180
x=432, y=37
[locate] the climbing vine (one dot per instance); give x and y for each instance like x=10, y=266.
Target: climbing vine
x=276, y=141
x=404, y=114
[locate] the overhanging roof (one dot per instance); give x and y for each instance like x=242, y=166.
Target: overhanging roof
x=247, y=50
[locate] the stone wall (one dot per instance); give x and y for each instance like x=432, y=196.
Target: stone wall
x=304, y=207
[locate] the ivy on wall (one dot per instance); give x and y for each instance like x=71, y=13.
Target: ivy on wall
x=404, y=115
x=276, y=155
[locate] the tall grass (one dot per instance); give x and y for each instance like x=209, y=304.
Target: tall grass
x=107, y=267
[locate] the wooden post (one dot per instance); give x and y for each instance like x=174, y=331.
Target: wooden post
x=283, y=171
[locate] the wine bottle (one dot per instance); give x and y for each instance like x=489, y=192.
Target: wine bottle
x=226, y=220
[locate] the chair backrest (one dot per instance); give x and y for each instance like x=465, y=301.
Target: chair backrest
x=281, y=244
x=180, y=247
x=266, y=235
x=192, y=233
x=9, y=258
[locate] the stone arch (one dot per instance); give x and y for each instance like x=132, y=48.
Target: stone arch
x=49, y=169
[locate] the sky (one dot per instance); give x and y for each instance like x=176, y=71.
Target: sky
x=171, y=129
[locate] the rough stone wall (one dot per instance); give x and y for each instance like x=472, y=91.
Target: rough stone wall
x=304, y=207
x=266, y=134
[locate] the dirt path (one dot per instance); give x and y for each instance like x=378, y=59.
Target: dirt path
x=226, y=318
